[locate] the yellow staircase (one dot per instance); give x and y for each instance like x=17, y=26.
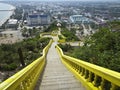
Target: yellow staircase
x=56, y=76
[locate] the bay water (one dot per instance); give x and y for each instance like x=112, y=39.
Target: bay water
x=4, y=12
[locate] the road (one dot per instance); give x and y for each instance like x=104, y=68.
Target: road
x=85, y=31
x=21, y=22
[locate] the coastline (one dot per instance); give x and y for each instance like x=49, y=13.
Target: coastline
x=9, y=13
x=6, y=18
x=8, y=5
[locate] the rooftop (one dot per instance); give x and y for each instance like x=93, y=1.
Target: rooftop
x=12, y=21
x=79, y=19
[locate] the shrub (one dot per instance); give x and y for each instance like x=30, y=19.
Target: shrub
x=65, y=47
x=70, y=35
x=8, y=67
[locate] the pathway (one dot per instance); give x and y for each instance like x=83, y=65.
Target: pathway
x=56, y=76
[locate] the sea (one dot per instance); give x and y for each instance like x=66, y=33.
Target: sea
x=4, y=12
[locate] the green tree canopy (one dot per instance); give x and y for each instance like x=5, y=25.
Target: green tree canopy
x=102, y=48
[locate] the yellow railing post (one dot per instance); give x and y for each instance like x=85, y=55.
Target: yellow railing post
x=102, y=84
x=90, y=76
x=113, y=87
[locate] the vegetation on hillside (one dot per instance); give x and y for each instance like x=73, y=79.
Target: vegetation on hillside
x=69, y=34
x=31, y=49
x=102, y=48
x=51, y=27
x=65, y=47
x=114, y=25
x=31, y=32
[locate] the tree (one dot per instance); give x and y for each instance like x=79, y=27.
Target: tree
x=21, y=57
x=11, y=35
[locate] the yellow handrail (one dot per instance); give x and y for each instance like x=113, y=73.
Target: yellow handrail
x=93, y=77
x=45, y=33
x=26, y=78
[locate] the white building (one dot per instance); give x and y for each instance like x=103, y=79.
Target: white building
x=78, y=19
x=12, y=23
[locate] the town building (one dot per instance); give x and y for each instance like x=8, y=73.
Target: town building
x=12, y=23
x=38, y=19
x=78, y=19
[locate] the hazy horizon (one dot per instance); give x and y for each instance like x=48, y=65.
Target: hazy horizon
x=63, y=0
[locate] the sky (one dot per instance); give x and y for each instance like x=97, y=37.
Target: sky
x=59, y=0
